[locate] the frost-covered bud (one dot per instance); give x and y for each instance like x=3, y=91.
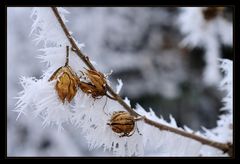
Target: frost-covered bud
x=97, y=85
x=67, y=83
x=123, y=123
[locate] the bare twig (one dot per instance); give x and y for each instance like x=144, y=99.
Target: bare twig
x=222, y=146
x=67, y=55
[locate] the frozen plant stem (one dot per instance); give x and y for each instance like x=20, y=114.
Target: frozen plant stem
x=227, y=148
x=67, y=56
x=85, y=59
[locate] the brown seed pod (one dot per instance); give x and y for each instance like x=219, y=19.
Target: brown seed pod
x=122, y=123
x=90, y=89
x=97, y=79
x=67, y=83
x=97, y=85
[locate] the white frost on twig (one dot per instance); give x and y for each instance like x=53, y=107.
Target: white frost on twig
x=119, y=86
x=92, y=117
x=41, y=98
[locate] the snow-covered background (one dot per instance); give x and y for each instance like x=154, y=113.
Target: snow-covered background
x=143, y=47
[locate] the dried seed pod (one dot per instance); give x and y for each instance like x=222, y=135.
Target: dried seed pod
x=96, y=86
x=67, y=83
x=90, y=89
x=123, y=123
x=97, y=79
x=87, y=87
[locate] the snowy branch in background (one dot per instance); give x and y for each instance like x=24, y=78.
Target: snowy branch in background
x=103, y=120
x=205, y=27
x=224, y=130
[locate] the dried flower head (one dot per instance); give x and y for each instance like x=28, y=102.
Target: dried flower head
x=67, y=83
x=123, y=123
x=97, y=85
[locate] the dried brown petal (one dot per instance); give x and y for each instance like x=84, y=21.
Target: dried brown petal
x=87, y=87
x=97, y=79
x=67, y=83
x=97, y=85
x=122, y=122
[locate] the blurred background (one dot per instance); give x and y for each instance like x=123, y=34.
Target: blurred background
x=141, y=46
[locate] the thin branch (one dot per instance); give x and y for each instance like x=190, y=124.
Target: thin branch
x=222, y=146
x=67, y=55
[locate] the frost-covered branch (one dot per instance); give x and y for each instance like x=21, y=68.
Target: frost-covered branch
x=85, y=59
x=226, y=148
x=71, y=91
x=222, y=146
